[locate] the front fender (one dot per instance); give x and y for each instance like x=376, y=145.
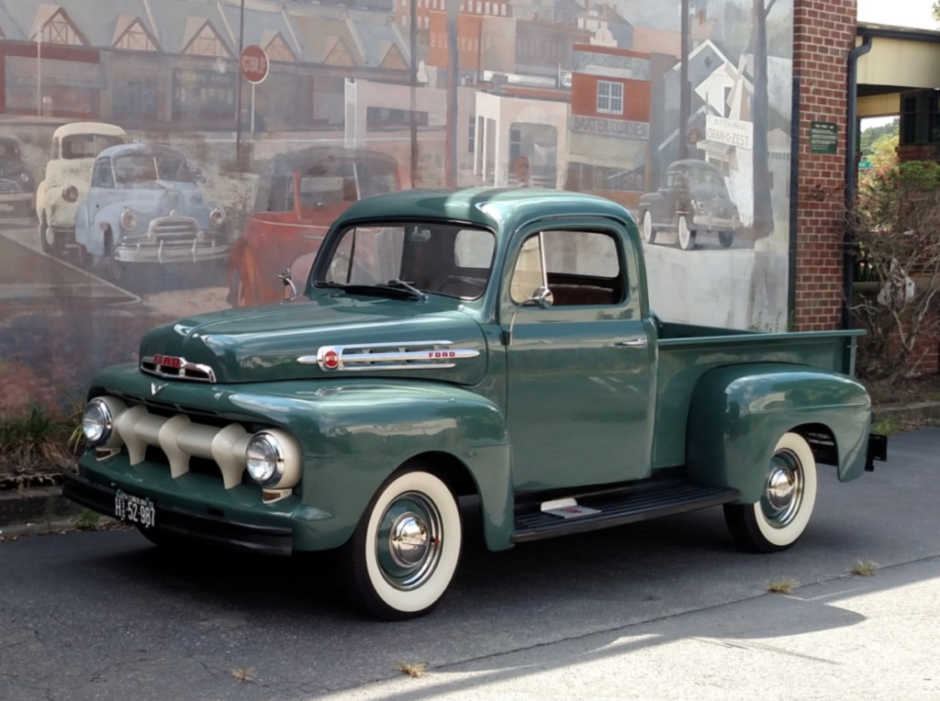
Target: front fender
x=364, y=432
x=738, y=413
x=354, y=433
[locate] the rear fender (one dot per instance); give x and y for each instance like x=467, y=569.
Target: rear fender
x=738, y=413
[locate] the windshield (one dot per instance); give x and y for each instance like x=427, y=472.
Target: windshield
x=437, y=257
x=346, y=181
x=141, y=168
x=9, y=149
x=706, y=183
x=87, y=145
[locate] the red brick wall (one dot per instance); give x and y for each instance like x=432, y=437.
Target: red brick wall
x=824, y=33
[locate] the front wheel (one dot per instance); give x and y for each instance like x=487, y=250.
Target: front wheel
x=778, y=520
x=404, y=552
x=52, y=244
x=686, y=234
x=725, y=238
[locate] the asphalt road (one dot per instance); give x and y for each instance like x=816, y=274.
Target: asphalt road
x=668, y=609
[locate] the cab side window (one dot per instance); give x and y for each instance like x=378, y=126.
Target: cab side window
x=580, y=268
x=102, y=176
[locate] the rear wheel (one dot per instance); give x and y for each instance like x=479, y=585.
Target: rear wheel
x=686, y=235
x=725, y=238
x=778, y=520
x=404, y=552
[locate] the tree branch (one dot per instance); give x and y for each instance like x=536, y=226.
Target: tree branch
x=769, y=7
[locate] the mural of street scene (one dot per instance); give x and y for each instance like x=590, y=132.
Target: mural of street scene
x=166, y=157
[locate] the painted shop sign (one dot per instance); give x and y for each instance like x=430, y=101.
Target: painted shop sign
x=611, y=65
x=824, y=137
x=732, y=132
x=618, y=128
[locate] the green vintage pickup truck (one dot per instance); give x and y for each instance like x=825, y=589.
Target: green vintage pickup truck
x=487, y=343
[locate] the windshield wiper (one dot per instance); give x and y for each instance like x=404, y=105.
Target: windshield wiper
x=396, y=287
x=402, y=285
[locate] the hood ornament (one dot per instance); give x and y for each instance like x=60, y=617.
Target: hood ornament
x=157, y=387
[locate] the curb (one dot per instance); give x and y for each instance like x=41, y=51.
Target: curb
x=42, y=506
x=918, y=412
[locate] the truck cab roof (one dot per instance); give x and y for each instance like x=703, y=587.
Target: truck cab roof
x=498, y=209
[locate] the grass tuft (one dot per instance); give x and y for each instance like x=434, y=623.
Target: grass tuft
x=887, y=426
x=782, y=586
x=87, y=520
x=243, y=674
x=864, y=568
x=415, y=670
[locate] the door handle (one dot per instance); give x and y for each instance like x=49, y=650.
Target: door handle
x=641, y=342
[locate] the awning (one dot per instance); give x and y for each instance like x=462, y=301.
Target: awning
x=22, y=71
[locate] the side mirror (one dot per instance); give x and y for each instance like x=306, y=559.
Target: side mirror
x=284, y=276
x=542, y=298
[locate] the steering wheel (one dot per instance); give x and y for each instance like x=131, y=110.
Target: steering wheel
x=473, y=282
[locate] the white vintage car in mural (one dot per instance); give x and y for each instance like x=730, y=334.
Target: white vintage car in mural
x=68, y=175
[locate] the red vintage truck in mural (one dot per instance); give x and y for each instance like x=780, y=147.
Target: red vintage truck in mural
x=300, y=194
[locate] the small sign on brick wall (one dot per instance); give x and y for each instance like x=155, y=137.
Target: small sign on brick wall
x=823, y=137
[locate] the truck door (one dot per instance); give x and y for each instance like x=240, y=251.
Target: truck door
x=580, y=357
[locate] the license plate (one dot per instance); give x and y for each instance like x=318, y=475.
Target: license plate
x=133, y=509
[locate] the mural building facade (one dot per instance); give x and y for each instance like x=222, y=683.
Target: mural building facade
x=145, y=178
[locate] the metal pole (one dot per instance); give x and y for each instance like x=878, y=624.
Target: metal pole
x=39, y=74
x=684, y=98
x=413, y=48
x=238, y=89
x=252, y=110
x=453, y=71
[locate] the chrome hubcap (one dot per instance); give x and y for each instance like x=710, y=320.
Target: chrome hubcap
x=408, y=541
x=783, y=490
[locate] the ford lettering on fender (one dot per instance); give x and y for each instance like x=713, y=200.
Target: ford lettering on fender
x=488, y=343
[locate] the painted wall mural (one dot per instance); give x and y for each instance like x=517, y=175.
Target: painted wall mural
x=143, y=178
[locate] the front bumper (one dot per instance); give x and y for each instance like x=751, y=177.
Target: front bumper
x=199, y=527
x=712, y=223
x=15, y=197
x=177, y=252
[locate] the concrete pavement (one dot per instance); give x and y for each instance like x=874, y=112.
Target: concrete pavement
x=661, y=610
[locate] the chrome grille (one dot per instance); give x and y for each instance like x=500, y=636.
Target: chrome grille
x=175, y=227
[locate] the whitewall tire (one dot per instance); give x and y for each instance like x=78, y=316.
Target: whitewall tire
x=405, y=550
x=686, y=235
x=788, y=496
x=649, y=233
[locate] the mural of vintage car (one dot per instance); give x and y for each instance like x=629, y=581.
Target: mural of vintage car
x=17, y=181
x=68, y=174
x=692, y=199
x=299, y=195
x=145, y=205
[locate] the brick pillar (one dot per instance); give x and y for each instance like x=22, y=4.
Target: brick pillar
x=823, y=36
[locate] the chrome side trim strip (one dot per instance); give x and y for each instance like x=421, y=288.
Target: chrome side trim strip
x=416, y=355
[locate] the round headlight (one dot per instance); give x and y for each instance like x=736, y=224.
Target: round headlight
x=69, y=193
x=265, y=459
x=97, y=422
x=26, y=176
x=128, y=219
x=217, y=218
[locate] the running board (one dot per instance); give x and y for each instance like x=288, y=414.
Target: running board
x=619, y=508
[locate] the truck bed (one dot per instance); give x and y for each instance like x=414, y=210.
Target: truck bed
x=687, y=351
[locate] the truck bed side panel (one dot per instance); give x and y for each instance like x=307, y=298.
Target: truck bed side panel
x=685, y=355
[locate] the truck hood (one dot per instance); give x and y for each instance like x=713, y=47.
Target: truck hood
x=431, y=340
